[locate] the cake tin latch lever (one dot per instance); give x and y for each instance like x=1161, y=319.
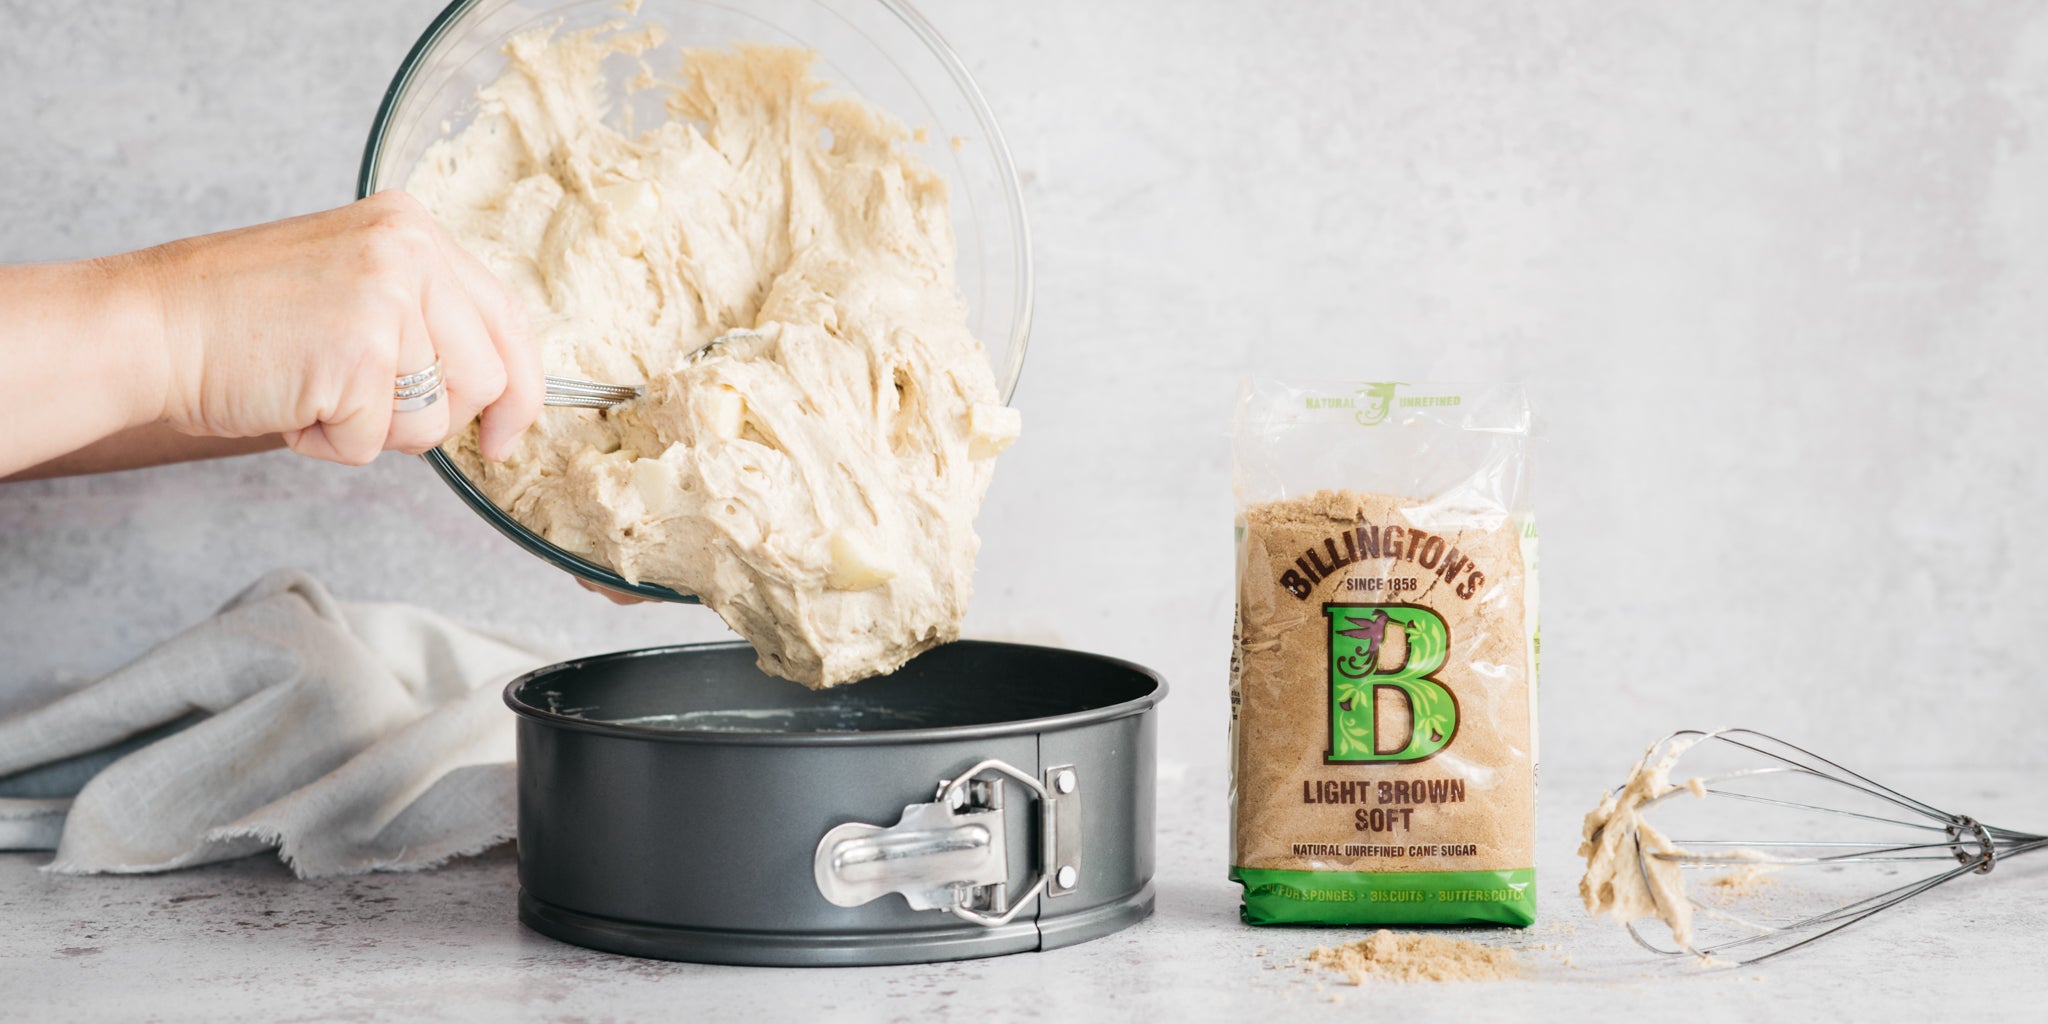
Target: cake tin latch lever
x=952, y=854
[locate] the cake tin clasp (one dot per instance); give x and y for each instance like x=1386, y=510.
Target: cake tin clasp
x=952, y=854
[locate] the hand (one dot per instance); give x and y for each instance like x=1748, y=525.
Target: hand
x=619, y=597
x=299, y=327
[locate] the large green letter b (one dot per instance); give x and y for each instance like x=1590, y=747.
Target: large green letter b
x=1359, y=633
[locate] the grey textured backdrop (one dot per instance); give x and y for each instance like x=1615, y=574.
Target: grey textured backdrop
x=1774, y=272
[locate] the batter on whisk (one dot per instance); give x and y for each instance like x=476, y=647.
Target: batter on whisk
x=1771, y=806
x=1624, y=879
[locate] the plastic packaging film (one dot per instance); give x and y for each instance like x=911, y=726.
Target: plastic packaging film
x=1383, y=676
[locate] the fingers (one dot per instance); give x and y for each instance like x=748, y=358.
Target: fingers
x=470, y=363
x=614, y=596
x=353, y=431
x=413, y=296
x=352, y=435
x=415, y=430
x=504, y=320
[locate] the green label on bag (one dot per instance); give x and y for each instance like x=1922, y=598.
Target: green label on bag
x=1387, y=897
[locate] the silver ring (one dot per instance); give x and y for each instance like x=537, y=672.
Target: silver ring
x=414, y=391
x=418, y=402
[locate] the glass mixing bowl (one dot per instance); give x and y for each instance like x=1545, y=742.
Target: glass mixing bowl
x=882, y=51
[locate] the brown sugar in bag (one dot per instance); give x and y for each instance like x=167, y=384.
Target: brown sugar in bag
x=1383, y=682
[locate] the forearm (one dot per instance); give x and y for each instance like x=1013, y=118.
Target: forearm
x=153, y=444
x=81, y=356
x=297, y=330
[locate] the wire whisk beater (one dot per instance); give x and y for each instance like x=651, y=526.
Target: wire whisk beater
x=1738, y=811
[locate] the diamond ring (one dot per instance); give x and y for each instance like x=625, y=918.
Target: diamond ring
x=415, y=391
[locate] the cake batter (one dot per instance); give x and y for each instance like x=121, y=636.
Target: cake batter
x=814, y=474
x=1624, y=879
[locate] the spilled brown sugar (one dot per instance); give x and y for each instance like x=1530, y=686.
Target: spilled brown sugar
x=1739, y=883
x=1405, y=956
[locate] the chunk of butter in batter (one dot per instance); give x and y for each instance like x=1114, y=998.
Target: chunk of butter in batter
x=658, y=485
x=635, y=204
x=724, y=413
x=991, y=428
x=855, y=565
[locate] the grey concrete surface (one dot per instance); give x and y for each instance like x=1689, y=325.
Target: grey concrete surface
x=245, y=942
x=1773, y=271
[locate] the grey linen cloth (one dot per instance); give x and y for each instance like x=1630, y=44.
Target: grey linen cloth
x=351, y=737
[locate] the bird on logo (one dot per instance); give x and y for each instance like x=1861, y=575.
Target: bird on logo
x=1373, y=631
x=1379, y=401
x=1370, y=633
